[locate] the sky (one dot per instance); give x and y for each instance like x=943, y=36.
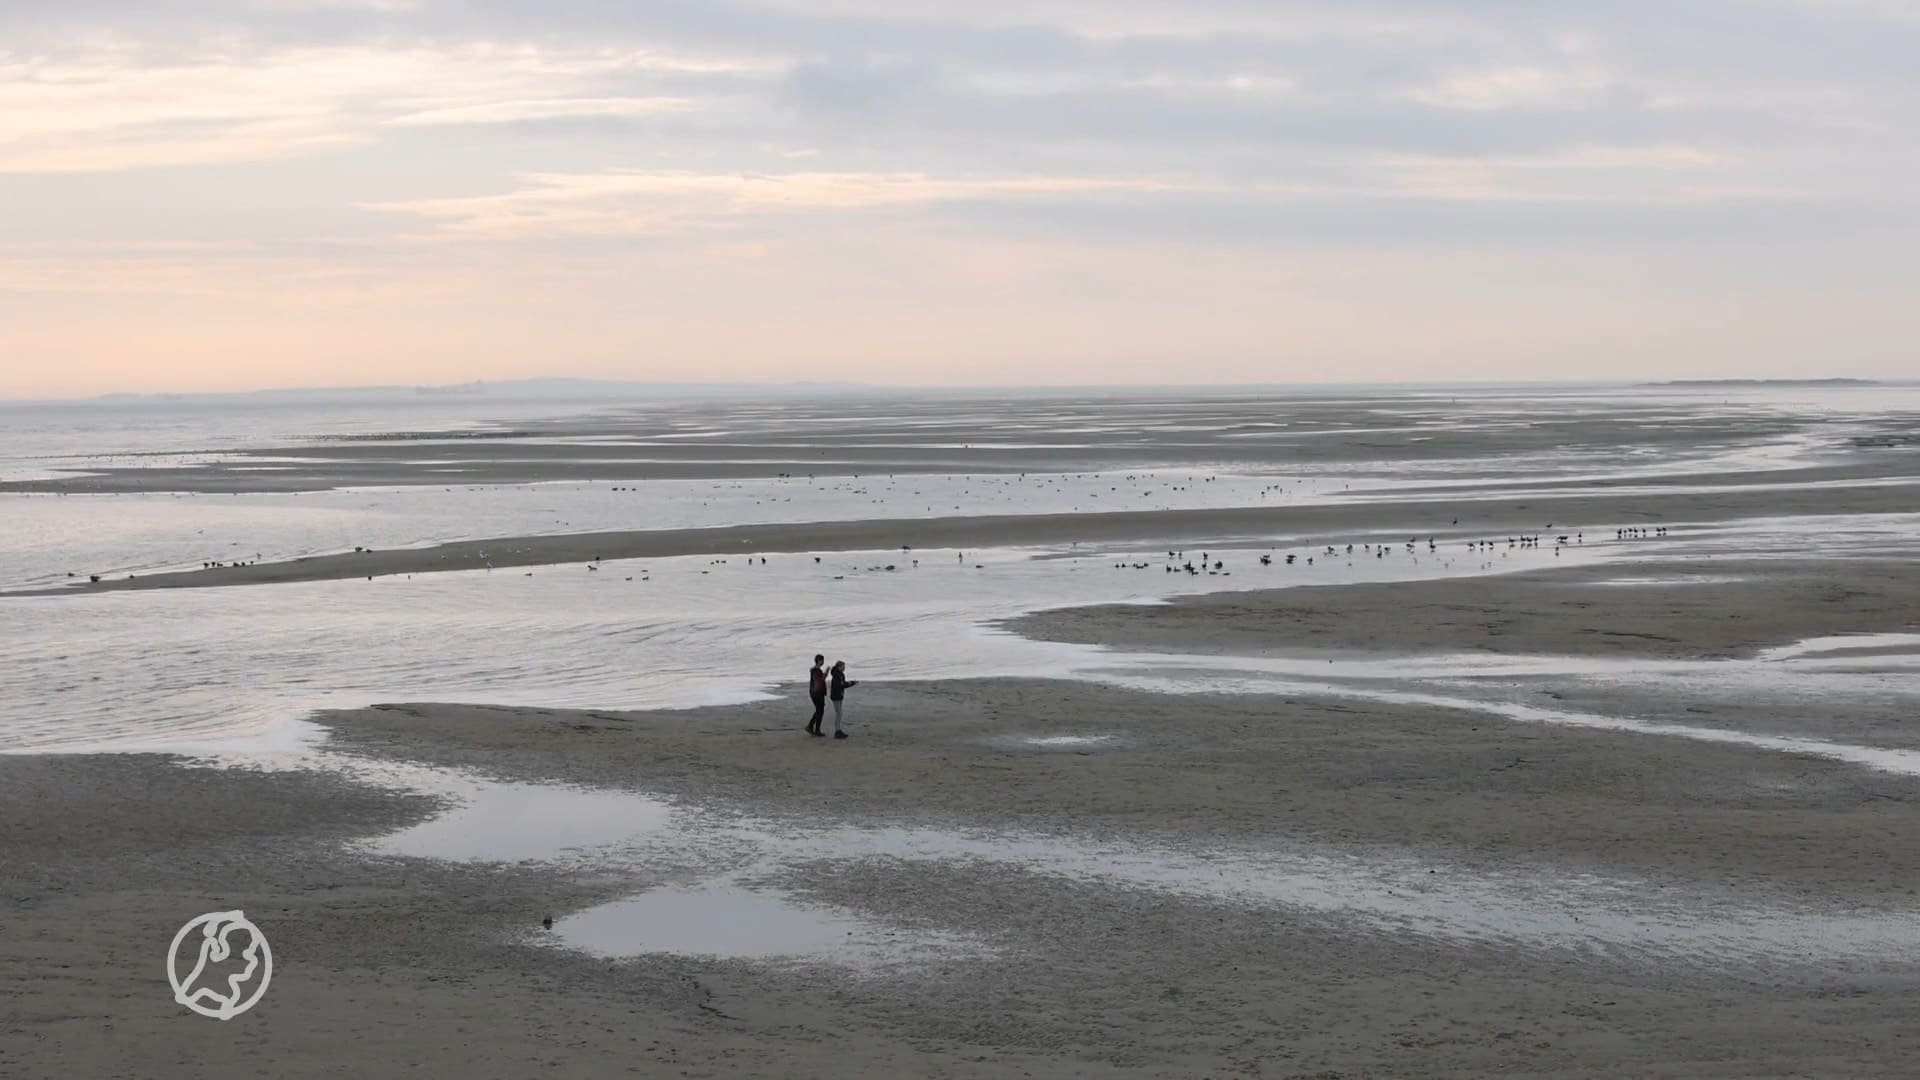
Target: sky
x=241, y=194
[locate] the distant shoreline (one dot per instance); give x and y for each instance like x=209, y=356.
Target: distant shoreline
x=577, y=390
x=1767, y=382
x=1298, y=526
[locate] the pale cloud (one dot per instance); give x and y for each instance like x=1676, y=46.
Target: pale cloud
x=104, y=113
x=1654, y=175
x=1518, y=87
x=162, y=144
x=664, y=203
x=281, y=7
x=1106, y=172
x=652, y=203
x=506, y=112
x=118, y=108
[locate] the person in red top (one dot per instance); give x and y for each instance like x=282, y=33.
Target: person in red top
x=817, y=690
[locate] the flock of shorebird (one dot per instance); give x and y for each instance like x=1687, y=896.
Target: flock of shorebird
x=1179, y=563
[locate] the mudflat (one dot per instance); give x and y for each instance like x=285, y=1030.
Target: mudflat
x=1305, y=526
x=955, y=435
x=1703, y=608
x=1633, y=899
x=1610, y=817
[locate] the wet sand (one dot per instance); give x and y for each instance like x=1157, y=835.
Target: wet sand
x=389, y=966
x=1307, y=527
x=971, y=435
x=1689, y=612
x=1712, y=910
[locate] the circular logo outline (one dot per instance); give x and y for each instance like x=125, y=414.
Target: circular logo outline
x=215, y=927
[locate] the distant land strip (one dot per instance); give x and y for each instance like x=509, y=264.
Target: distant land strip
x=1767, y=382
x=1307, y=526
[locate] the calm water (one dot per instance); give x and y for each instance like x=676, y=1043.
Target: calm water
x=714, y=882
x=146, y=668
x=229, y=673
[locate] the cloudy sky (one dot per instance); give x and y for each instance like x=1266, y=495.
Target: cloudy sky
x=230, y=194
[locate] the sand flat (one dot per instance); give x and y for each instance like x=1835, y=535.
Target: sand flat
x=1534, y=822
x=1306, y=527
x=1743, y=910
x=1569, y=611
x=412, y=960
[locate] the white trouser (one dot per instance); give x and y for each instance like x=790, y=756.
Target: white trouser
x=836, y=714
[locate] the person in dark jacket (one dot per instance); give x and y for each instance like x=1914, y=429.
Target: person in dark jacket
x=817, y=690
x=838, y=693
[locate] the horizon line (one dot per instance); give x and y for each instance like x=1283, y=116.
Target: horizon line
x=479, y=387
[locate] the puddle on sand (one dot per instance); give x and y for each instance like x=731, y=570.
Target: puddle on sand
x=485, y=820
x=492, y=821
x=497, y=822
x=1057, y=742
x=512, y=822
x=724, y=919
x=1669, y=581
x=1846, y=645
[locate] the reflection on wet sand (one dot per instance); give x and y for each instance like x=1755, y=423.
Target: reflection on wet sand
x=1467, y=711
x=721, y=864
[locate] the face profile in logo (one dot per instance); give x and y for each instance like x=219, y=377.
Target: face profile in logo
x=227, y=962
